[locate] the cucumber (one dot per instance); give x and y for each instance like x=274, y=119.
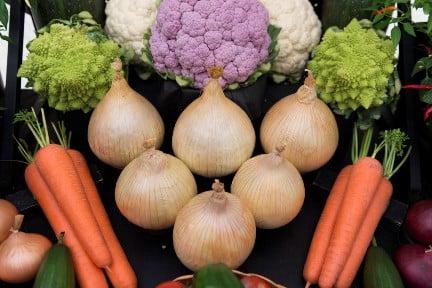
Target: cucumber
x=215, y=276
x=379, y=270
x=57, y=269
x=340, y=12
x=43, y=11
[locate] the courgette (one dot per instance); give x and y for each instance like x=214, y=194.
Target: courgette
x=215, y=276
x=380, y=271
x=57, y=269
x=43, y=11
x=340, y=12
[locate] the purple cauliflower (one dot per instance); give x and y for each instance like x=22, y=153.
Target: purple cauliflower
x=191, y=36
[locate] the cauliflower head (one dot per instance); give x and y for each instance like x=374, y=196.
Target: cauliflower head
x=127, y=21
x=68, y=68
x=352, y=68
x=300, y=34
x=191, y=36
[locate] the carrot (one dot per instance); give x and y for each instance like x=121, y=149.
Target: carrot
x=321, y=238
x=384, y=10
x=362, y=185
x=57, y=169
x=88, y=275
x=365, y=235
x=120, y=271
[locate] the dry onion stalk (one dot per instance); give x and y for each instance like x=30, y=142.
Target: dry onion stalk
x=153, y=188
x=213, y=135
x=214, y=227
x=271, y=187
x=305, y=124
x=21, y=254
x=122, y=122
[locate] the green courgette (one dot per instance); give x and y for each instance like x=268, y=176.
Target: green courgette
x=340, y=12
x=57, y=269
x=43, y=11
x=379, y=270
x=215, y=276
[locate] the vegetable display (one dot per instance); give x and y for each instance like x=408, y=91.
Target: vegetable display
x=213, y=136
x=214, y=227
x=153, y=188
x=304, y=125
x=122, y=122
x=419, y=222
x=353, y=68
x=300, y=34
x=271, y=187
x=380, y=271
x=353, y=211
x=127, y=21
x=56, y=270
x=21, y=254
x=190, y=37
x=7, y=218
x=414, y=263
x=102, y=249
x=69, y=64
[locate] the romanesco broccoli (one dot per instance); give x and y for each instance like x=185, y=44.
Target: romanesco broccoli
x=352, y=68
x=68, y=68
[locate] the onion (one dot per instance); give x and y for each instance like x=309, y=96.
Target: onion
x=271, y=187
x=213, y=136
x=153, y=188
x=414, y=263
x=21, y=254
x=305, y=125
x=214, y=227
x=419, y=222
x=7, y=216
x=122, y=122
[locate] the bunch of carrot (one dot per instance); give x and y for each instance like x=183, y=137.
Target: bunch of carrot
x=60, y=180
x=357, y=201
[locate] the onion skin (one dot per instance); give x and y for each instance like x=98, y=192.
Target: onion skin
x=7, y=216
x=305, y=125
x=153, y=188
x=213, y=136
x=272, y=188
x=121, y=124
x=214, y=227
x=414, y=263
x=419, y=222
x=21, y=254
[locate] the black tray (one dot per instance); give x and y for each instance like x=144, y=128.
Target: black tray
x=278, y=254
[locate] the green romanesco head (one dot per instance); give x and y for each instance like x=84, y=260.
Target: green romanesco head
x=68, y=69
x=352, y=68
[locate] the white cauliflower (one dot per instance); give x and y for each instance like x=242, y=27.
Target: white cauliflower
x=300, y=34
x=128, y=20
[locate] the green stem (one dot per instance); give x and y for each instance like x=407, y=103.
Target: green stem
x=24, y=150
x=61, y=132
x=400, y=163
x=354, y=147
x=367, y=139
x=374, y=242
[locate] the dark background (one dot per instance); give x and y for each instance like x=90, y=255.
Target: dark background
x=278, y=254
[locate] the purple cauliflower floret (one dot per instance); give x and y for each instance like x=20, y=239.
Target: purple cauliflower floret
x=191, y=36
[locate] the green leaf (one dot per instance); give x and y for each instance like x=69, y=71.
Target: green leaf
x=396, y=35
x=426, y=97
x=378, y=18
x=85, y=15
x=423, y=64
x=4, y=14
x=409, y=29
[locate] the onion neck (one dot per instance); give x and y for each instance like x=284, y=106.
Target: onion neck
x=276, y=156
x=218, y=198
x=157, y=159
x=307, y=93
x=213, y=90
x=17, y=223
x=429, y=250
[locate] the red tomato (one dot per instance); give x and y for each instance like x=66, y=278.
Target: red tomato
x=170, y=284
x=254, y=282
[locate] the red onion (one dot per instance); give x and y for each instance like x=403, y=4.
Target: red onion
x=414, y=263
x=419, y=222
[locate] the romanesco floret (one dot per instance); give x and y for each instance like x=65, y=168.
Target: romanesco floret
x=352, y=68
x=68, y=69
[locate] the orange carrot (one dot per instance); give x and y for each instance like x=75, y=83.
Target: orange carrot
x=385, y=9
x=365, y=177
x=364, y=237
x=323, y=231
x=56, y=167
x=120, y=271
x=88, y=275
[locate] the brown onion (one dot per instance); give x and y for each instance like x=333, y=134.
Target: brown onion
x=7, y=216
